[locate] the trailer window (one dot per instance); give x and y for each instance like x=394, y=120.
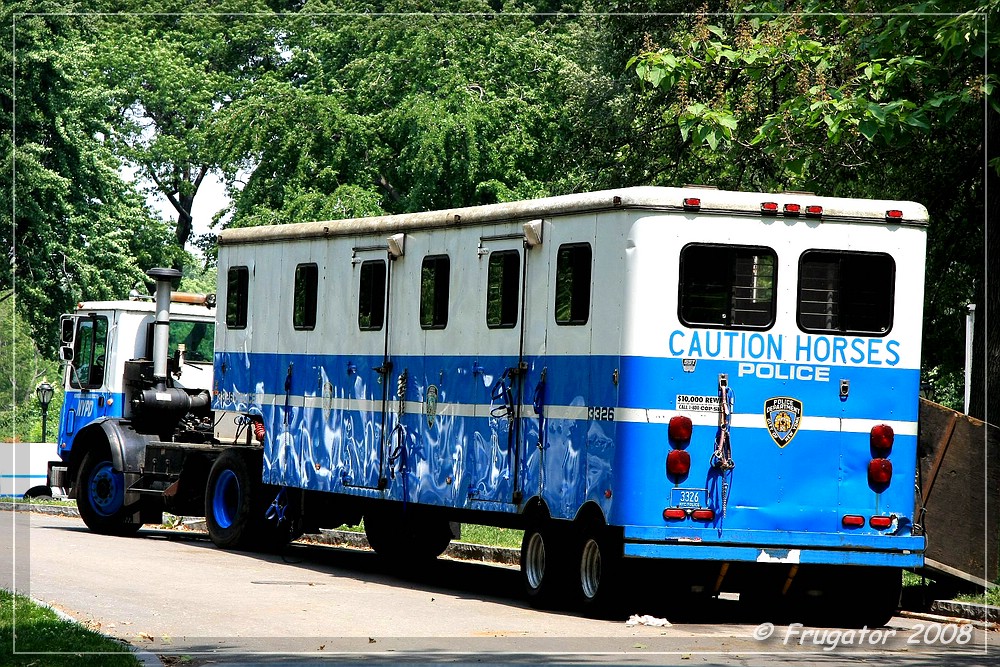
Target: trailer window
x=237, y=295
x=371, y=297
x=502, y=289
x=727, y=286
x=434, y=292
x=304, y=301
x=846, y=292
x=573, y=284
x=90, y=355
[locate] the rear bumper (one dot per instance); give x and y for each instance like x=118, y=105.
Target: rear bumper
x=777, y=547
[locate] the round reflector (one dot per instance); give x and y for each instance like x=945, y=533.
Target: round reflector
x=879, y=472
x=678, y=462
x=679, y=430
x=882, y=437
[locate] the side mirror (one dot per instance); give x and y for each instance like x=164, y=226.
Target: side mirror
x=68, y=330
x=66, y=353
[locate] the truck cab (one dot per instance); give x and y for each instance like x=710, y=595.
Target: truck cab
x=96, y=342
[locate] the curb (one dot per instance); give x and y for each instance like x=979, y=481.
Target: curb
x=971, y=610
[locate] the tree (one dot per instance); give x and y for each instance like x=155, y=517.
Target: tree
x=872, y=105
x=22, y=367
x=389, y=113
x=170, y=76
x=78, y=230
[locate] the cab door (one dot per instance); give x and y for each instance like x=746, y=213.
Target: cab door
x=86, y=349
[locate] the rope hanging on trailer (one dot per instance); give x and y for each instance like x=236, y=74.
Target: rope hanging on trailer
x=398, y=453
x=722, y=457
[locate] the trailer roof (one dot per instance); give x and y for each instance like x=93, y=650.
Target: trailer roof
x=641, y=198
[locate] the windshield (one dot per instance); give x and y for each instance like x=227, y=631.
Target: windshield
x=198, y=339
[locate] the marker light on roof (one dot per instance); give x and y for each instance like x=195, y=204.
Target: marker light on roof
x=692, y=203
x=769, y=207
x=894, y=214
x=792, y=209
x=814, y=211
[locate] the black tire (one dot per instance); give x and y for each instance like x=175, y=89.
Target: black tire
x=100, y=497
x=597, y=584
x=880, y=589
x=546, y=565
x=236, y=504
x=38, y=492
x=397, y=537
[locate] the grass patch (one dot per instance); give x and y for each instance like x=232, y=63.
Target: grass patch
x=485, y=535
x=992, y=597
x=43, y=501
x=39, y=630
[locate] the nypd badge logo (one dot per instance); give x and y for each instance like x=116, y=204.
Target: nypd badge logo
x=430, y=405
x=783, y=416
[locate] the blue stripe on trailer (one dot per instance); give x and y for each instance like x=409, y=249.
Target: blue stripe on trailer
x=773, y=555
x=767, y=538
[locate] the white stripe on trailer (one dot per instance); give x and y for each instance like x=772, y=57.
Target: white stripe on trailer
x=580, y=413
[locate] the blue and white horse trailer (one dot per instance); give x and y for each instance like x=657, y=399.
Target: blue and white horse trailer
x=723, y=382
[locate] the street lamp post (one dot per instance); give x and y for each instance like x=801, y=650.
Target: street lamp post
x=44, y=392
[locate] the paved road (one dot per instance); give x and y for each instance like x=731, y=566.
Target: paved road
x=176, y=595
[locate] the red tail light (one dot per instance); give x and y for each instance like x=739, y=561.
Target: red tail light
x=703, y=515
x=674, y=513
x=882, y=437
x=678, y=462
x=881, y=522
x=679, y=430
x=879, y=472
x=853, y=521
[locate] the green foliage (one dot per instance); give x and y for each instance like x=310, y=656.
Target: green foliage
x=883, y=106
x=388, y=113
x=169, y=76
x=44, y=638
x=22, y=368
x=79, y=231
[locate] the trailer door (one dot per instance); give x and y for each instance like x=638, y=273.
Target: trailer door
x=498, y=374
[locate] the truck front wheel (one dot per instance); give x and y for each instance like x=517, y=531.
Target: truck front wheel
x=100, y=497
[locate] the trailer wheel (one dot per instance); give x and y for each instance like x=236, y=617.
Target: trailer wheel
x=236, y=503
x=100, y=497
x=396, y=537
x=879, y=587
x=598, y=557
x=545, y=566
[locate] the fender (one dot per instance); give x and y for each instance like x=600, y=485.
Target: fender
x=127, y=448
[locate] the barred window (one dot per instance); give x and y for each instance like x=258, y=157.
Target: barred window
x=727, y=286
x=846, y=292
